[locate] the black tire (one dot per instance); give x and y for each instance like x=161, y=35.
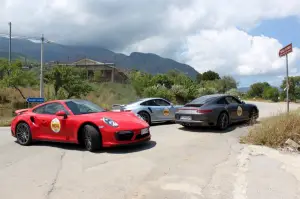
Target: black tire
x=223, y=121
x=186, y=125
x=145, y=116
x=252, y=117
x=92, y=139
x=23, y=134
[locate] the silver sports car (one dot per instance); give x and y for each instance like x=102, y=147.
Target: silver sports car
x=152, y=110
x=216, y=110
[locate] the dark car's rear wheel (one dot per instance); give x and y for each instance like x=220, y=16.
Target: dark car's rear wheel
x=92, y=138
x=223, y=121
x=253, y=116
x=145, y=116
x=23, y=134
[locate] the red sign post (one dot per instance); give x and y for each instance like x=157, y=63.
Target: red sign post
x=284, y=52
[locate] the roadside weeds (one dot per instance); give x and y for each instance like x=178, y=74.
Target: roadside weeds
x=278, y=131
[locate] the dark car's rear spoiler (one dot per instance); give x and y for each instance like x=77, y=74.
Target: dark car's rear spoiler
x=20, y=111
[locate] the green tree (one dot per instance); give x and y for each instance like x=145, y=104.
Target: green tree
x=257, y=89
x=271, y=93
x=226, y=83
x=140, y=81
x=199, y=78
x=14, y=76
x=294, y=88
x=206, y=91
x=210, y=76
x=233, y=92
x=159, y=91
x=97, y=76
x=71, y=79
x=162, y=79
x=180, y=93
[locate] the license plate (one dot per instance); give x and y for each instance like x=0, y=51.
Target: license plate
x=185, y=118
x=144, y=131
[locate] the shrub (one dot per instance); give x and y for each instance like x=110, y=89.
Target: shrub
x=233, y=92
x=206, y=91
x=275, y=131
x=271, y=93
x=159, y=91
x=180, y=93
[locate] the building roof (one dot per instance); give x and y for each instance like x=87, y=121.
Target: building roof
x=87, y=61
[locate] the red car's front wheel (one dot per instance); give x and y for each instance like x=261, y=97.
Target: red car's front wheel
x=92, y=138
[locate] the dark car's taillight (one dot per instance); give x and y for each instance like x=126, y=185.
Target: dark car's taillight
x=204, y=111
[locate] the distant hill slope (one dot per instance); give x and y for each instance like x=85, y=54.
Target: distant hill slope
x=147, y=62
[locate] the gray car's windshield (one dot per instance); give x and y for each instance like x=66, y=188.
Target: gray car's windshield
x=79, y=107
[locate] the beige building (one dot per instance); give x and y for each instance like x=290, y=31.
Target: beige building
x=108, y=71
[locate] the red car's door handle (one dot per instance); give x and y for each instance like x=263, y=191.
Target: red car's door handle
x=44, y=122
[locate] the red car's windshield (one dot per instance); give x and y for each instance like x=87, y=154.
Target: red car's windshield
x=79, y=107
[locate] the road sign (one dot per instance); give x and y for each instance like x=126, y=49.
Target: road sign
x=286, y=50
x=35, y=100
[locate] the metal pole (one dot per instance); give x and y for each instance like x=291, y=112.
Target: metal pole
x=287, y=84
x=9, y=46
x=41, y=73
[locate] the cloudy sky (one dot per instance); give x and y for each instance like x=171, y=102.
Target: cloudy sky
x=233, y=37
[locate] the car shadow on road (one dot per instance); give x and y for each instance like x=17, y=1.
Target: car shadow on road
x=215, y=130
x=163, y=123
x=116, y=150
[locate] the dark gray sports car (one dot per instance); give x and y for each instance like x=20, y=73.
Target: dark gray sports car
x=216, y=110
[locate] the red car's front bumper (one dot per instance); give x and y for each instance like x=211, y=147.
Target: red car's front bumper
x=124, y=137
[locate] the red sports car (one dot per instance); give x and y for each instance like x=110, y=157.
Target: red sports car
x=80, y=122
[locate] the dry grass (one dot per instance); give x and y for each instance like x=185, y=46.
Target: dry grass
x=5, y=121
x=274, y=131
x=105, y=95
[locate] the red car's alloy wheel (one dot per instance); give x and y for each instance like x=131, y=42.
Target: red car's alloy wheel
x=91, y=138
x=23, y=134
x=88, y=141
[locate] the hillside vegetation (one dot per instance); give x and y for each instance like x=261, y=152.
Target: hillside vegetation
x=62, y=82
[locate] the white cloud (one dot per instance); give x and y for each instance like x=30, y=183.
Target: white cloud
x=232, y=51
x=206, y=34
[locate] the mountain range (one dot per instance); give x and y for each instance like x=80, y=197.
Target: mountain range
x=147, y=62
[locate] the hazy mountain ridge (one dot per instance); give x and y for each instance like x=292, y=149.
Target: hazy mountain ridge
x=147, y=62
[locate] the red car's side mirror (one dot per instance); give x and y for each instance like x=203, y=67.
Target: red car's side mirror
x=61, y=113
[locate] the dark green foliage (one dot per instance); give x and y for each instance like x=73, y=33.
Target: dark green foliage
x=209, y=76
x=12, y=75
x=69, y=78
x=271, y=93
x=257, y=89
x=178, y=87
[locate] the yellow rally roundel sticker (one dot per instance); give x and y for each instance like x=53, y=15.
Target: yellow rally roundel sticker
x=239, y=111
x=55, y=125
x=166, y=112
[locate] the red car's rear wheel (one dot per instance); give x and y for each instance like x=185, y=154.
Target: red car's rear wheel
x=23, y=134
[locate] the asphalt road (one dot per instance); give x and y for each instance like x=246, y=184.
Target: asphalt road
x=176, y=164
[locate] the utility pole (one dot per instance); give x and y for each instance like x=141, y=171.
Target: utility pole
x=41, y=73
x=9, y=46
x=287, y=84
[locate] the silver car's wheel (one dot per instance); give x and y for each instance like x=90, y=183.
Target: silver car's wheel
x=223, y=121
x=145, y=117
x=23, y=134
